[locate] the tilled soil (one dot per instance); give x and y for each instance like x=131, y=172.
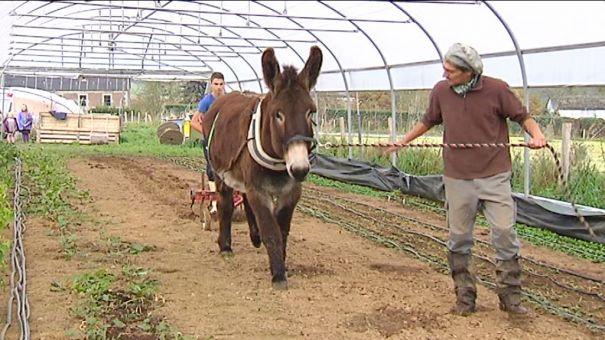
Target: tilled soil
x=359, y=268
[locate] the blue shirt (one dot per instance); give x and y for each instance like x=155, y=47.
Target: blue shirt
x=205, y=103
x=24, y=120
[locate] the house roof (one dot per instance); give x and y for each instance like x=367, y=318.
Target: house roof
x=578, y=103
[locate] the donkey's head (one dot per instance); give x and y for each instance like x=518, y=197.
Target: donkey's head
x=290, y=108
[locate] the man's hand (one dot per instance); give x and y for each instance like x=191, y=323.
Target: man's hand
x=537, y=142
x=199, y=118
x=389, y=150
x=196, y=122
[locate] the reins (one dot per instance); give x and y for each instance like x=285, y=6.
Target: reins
x=562, y=180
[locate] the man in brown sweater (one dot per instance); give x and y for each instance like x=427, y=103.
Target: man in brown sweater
x=474, y=108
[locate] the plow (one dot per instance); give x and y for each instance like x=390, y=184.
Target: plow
x=204, y=197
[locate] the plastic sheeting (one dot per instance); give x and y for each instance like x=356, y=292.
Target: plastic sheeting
x=553, y=215
x=368, y=45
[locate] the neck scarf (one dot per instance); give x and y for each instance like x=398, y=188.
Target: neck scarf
x=462, y=89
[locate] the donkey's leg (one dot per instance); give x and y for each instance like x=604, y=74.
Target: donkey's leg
x=225, y=211
x=270, y=236
x=284, y=215
x=254, y=234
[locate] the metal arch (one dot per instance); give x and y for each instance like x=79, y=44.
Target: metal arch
x=526, y=158
x=37, y=8
x=390, y=77
x=151, y=33
x=428, y=35
x=138, y=21
x=219, y=41
x=211, y=6
x=259, y=79
x=260, y=83
x=7, y=62
x=140, y=34
x=78, y=33
x=344, y=78
x=110, y=6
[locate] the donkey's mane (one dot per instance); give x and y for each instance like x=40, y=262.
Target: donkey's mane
x=289, y=76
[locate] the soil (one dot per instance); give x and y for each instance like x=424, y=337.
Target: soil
x=342, y=284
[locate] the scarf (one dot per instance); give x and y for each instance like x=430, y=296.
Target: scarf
x=462, y=89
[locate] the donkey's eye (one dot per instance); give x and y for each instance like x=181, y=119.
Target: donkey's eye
x=279, y=117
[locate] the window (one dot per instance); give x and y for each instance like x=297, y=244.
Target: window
x=83, y=100
x=107, y=99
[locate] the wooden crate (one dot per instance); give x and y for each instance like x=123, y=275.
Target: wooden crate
x=79, y=128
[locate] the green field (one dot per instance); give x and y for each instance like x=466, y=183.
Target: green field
x=591, y=149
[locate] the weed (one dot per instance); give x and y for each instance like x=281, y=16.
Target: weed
x=120, y=304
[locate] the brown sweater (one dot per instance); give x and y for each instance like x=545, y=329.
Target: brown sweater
x=477, y=117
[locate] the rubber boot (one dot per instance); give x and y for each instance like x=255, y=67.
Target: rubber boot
x=213, y=207
x=464, y=283
x=508, y=275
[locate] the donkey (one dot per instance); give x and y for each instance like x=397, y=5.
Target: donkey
x=260, y=146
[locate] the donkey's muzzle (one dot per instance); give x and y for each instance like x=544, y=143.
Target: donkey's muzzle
x=298, y=173
x=297, y=161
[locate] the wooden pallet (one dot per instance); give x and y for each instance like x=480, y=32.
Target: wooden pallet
x=79, y=128
x=81, y=137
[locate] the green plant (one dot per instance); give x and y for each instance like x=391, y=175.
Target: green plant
x=8, y=153
x=115, y=304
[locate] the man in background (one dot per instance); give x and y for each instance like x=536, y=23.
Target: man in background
x=217, y=89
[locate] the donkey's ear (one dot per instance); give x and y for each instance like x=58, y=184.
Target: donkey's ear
x=271, y=71
x=308, y=75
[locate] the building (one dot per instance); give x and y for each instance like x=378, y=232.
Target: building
x=577, y=106
x=87, y=91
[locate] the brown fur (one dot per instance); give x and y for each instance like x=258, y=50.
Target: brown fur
x=270, y=196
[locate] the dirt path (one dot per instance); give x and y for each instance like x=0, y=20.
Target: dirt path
x=341, y=286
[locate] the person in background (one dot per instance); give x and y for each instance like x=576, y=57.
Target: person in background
x=10, y=127
x=217, y=89
x=25, y=121
x=474, y=108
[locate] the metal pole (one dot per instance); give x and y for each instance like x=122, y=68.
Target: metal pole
x=3, y=89
x=526, y=158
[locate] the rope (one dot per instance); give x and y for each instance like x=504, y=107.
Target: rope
x=18, y=286
x=562, y=180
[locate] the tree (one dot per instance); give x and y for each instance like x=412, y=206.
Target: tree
x=153, y=96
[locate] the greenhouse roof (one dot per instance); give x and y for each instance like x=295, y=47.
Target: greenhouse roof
x=367, y=45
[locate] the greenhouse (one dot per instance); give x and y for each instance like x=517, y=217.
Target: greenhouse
x=111, y=192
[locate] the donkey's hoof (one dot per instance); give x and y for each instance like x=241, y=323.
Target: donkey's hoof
x=280, y=285
x=226, y=253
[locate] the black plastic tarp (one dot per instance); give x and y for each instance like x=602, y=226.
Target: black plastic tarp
x=553, y=215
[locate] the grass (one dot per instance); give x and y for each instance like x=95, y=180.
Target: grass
x=584, y=249
x=587, y=182
x=8, y=152
x=121, y=300
x=118, y=304
x=113, y=303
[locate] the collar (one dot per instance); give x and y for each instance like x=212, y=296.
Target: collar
x=255, y=146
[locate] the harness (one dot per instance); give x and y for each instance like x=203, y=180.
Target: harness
x=254, y=142
x=255, y=146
